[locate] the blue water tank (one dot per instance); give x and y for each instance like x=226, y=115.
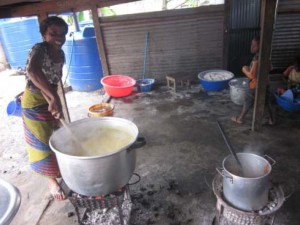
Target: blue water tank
x=17, y=37
x=83, y=65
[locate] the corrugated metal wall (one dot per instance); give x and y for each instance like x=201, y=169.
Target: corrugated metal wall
x=244, y=24
x=286, y=37
x=185, y=40
x=288, y=5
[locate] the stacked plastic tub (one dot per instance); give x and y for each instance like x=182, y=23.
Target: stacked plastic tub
x=83, y=66
x=17, y=37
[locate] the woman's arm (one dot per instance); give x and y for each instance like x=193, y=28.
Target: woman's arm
x=287, y=71
x=39, y=80
x=251, y=73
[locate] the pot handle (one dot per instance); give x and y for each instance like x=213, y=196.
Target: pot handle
x=140, y=142
x=272, y=161
x=221, y=172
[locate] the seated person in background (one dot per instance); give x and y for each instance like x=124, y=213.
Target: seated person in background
x=292, y=74
x=251, y=73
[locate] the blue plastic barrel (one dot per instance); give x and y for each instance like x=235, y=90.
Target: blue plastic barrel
x=83, y=65
x=17, y=37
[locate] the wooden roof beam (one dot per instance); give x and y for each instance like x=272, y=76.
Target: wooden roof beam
x=11, y=2
x=60, y=6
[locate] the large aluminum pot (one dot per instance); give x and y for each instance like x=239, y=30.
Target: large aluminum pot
x=100, y=174
x=250, y=191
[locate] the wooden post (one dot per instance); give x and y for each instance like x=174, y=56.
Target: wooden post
x=164, y=5
x=99, y=40
x=76, y=23
x=268, y=11
x=62, y=97
x=227, y=12
x=42, y=16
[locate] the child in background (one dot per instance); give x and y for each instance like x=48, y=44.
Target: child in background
x=292, y=74
x=251, y=73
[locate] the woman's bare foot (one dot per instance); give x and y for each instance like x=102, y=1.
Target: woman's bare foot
x=236, y=120
x=55, y=190
x=271, y=121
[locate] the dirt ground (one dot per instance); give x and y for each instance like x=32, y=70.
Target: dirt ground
x=178, y=163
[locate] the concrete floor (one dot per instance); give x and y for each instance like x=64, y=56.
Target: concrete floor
x=177, y=165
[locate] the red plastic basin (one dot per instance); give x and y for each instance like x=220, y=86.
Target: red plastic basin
x=118, y=85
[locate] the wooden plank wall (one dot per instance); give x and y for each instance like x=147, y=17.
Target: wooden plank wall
x=185, y=40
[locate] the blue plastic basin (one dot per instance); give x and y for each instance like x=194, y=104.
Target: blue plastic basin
x=287, y=105
x=214, y=85
x=145, y=85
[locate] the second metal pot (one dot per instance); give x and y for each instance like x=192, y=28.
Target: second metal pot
x=249, y=192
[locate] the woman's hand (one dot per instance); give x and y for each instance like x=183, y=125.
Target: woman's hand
x=57, y=115
x=55, y=108
x=251, y=73
x=245, y=69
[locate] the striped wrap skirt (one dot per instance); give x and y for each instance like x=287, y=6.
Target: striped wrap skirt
x=39, y=124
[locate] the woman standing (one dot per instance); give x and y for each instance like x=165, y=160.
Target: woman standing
x=41, y=105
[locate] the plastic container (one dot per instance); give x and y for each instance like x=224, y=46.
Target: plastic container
x=14, y=108
x=145, y=85
x=100, y=110
x=286, y=104
x=288, y=95
x=118, y=85
x=238, y=90
x=214, y=85
x=18, y=36
x=83, y=65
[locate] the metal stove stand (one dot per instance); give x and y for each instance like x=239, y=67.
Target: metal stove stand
x=229, y=215
x=90, y=203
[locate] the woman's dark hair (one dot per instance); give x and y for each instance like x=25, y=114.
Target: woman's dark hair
x=52, y=20
x=257, y=39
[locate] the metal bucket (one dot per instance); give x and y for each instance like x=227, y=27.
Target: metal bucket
x=238, y=90
x=100, y=174
x=249, y=192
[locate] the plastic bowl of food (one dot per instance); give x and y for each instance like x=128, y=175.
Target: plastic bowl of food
x=118, y=85
x=215, y=80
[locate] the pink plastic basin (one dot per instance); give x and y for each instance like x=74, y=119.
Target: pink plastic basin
x=118, y=85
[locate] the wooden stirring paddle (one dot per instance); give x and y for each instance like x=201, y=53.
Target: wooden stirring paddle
x=74, y=138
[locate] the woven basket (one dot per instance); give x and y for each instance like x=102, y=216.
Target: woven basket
x=100, y=110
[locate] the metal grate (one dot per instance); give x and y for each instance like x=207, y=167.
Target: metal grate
x=228, y=215
x=99, y=202
x=92, y=203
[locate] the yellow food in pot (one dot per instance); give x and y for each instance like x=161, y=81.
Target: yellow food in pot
x=100, y=141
